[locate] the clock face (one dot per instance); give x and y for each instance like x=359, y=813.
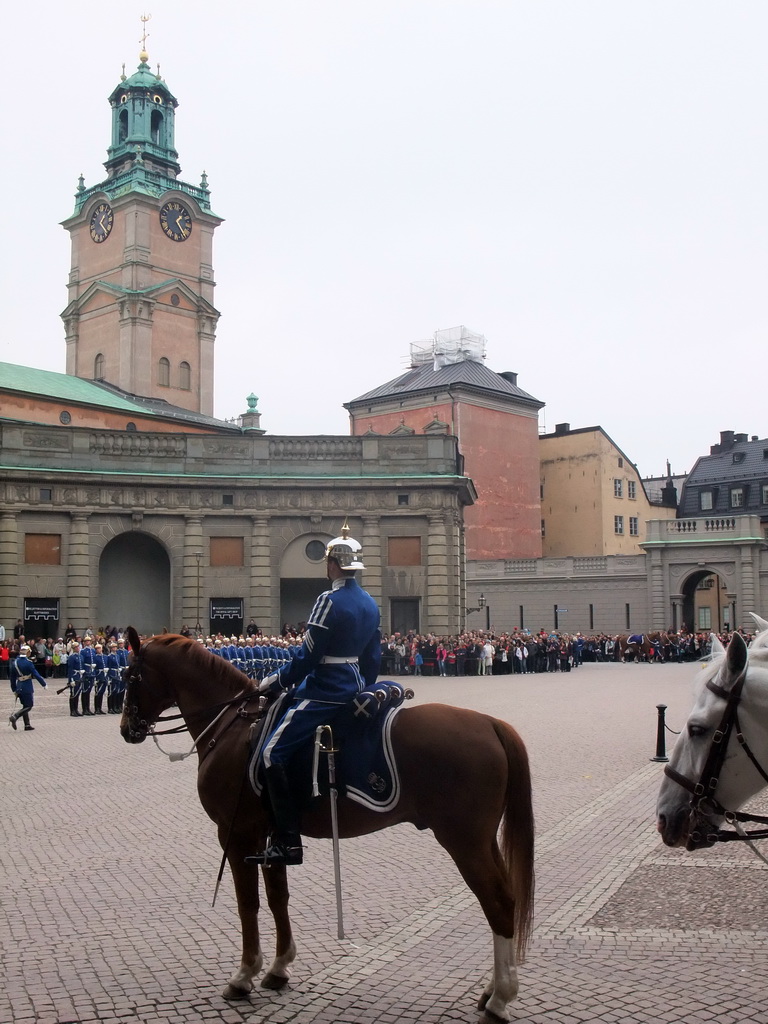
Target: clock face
x=101, y=222
x=176, y=222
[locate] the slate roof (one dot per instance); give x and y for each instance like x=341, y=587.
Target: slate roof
x=64, y=388
x=469, y=374
x=743, y=464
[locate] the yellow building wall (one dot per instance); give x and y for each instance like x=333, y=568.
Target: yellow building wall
x=579, y=501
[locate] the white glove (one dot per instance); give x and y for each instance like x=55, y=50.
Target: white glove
x=270, y=684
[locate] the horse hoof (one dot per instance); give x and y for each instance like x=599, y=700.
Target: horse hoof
x=232, y=992
x=493, y=1018
x=273, y=981
x=483, y=1000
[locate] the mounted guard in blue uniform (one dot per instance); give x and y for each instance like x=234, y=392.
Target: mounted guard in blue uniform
x=339, y=657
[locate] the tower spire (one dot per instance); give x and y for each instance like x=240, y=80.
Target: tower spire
x=144, y=56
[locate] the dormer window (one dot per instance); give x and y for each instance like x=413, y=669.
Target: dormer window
x=739, y=456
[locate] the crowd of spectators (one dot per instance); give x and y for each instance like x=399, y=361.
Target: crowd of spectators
x=477, y=652
x=489, y=653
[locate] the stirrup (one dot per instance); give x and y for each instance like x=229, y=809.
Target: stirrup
x=279, y=851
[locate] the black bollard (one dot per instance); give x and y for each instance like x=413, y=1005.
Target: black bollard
x=661, y=754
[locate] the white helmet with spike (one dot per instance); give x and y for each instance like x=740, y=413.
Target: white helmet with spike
x=346, y=551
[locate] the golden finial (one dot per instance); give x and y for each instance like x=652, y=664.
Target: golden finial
x=144, y=56
x=345, y=531
x=123, y=76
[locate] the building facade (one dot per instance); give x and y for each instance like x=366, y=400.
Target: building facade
x=163, y=530
x=593, y=501
x=449, y=389
x=140, y=312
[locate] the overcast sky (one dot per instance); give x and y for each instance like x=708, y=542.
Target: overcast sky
x=583, y=182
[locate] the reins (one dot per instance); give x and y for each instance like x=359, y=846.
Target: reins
x=703, y=798
x=244, y=695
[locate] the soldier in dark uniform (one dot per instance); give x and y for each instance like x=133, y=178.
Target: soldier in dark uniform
x=101, y=678
x=122, y=661
x=113, y=677
x=339, y=657
x=88, y=658
x=23, y=672
x=74, y=677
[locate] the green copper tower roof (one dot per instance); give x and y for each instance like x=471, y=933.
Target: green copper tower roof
x=142, y=156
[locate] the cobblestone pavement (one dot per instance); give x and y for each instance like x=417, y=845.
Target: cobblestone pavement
x=108, y=867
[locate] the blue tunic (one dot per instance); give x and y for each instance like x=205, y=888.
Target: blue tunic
x=21, y=676
x=344, y=624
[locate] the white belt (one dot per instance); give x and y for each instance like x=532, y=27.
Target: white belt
x=329, y=659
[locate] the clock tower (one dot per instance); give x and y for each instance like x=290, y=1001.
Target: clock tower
x=140, y=313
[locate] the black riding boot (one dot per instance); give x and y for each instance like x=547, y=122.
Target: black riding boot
x=97, y=702
x=74, y=713
x=85, y=700
x=27, y=726
x=284, y=846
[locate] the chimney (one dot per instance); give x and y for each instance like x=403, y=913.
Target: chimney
x=561, y=429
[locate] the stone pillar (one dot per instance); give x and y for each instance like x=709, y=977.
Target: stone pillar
x=658, y=606
x=9, y=572
x=437, y=576
x=748, y=597
x=677, y=612
x=79, y=595
x=455, y=562
x=260, y=602
x=193, y=611
x=371, y=577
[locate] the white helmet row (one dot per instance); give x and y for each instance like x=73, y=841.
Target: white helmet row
x=346, y=550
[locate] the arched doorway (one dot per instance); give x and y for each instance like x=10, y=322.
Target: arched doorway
x=302, y=578
x=706, y=607
x=135, y=584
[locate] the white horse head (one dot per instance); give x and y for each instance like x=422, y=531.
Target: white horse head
x=679, y=812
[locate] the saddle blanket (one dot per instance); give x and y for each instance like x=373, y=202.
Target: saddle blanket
x=636, y=638
x=366, y=771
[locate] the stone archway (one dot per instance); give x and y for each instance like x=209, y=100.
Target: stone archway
x=135, y=584
x=706, y=605
x=302, y=577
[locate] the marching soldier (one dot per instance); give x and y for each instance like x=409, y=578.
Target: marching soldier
x=74, y=677
x=339, y=657
x=23, y=672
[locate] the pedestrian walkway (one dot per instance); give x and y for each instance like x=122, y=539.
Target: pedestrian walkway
x=108, y=867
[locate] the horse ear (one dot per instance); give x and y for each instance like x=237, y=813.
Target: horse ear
x=762, y=624
x=735, y=660
x=717, y=644
x=133, y=640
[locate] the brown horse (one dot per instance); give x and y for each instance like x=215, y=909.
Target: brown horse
x=462, y=774
x=627, y=647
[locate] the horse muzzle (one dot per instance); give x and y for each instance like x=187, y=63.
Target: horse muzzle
x=134, y=732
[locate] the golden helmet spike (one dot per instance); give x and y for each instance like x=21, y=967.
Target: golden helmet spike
x=346, y=550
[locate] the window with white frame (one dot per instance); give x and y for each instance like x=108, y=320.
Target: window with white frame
x=705, y=618
x=737, y=497
x=705, y=501
x=634, y=526
x=618, y=524
x=631, y=489
x=617, y=488
x=765, y=494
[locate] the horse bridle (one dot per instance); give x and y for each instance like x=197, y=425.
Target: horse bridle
x=703, y=799
x=139, y=726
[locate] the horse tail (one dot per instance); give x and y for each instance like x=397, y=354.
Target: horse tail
x=517, y=833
